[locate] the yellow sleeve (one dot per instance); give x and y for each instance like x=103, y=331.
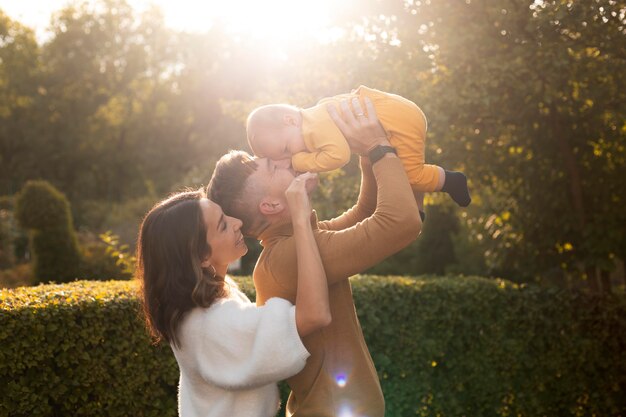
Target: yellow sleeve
x=330, y=155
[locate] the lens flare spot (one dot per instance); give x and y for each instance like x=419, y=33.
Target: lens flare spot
x=341, y=380
x=345, y=411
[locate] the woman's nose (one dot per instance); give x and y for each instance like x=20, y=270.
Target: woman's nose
x=237, y=223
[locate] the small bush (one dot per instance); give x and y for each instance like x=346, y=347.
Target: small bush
x=45, y=211
x=104, y=258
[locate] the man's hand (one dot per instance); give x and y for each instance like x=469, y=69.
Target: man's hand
x=362, y=131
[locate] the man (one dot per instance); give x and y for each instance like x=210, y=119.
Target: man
x=339, y=378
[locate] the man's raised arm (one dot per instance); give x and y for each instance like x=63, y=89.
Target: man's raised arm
x=394, y=225
x=365, y=205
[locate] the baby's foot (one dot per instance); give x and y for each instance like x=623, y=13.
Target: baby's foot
x=456, y=185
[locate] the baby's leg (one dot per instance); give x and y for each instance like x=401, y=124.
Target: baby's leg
x=409, y=138
x=406, y=124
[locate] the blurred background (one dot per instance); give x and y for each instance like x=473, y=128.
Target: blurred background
x=115, y=104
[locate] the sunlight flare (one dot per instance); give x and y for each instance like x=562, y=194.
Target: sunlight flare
x=277, y=20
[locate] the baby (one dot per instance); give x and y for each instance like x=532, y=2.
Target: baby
x=313, y=142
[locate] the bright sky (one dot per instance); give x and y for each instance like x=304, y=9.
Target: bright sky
x=273, y=19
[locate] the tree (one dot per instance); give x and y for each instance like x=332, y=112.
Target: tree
x=529, y=101
x=19, y=92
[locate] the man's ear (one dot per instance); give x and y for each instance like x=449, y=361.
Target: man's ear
x=269, y=206
x=290, y=119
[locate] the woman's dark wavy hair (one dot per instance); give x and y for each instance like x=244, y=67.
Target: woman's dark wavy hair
x=171, y=246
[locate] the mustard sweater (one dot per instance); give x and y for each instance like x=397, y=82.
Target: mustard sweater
x=339, y=377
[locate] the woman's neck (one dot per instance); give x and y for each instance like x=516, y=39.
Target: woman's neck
x=221, y=270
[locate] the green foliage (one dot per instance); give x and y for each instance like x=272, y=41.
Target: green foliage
x=470, y=346
x=338, y=190
x=442, y=346
x=433, y=252
x=7, y=252
x=529, y=100
x=46, y=212
x=80, y=349
x=20, y=120
x=106, y=259
x=120, y=218
x=526, y=98
x=124, y=260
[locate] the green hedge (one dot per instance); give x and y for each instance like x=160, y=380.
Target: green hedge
x=79, y=349
x=443, y=346
x=477, y=347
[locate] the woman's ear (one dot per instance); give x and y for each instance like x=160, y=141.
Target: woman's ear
x=270, y=206
x=206, y=262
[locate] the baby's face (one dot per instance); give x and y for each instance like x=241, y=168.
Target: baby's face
x=280, y=144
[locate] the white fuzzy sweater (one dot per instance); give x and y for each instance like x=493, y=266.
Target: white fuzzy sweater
x=233, y=353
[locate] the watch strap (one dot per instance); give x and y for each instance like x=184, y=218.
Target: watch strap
x=379, y=151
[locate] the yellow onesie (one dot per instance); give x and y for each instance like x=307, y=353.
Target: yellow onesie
x=404, y=122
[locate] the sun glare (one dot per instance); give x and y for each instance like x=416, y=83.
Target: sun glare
x=273, y=20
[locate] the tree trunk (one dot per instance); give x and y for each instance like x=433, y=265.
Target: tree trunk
x=605, y=278
x=592, y=279
x=575, y=183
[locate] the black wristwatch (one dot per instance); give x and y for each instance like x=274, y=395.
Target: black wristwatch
x=379, y=151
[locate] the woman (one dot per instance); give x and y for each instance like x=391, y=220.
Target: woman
x=230, y=352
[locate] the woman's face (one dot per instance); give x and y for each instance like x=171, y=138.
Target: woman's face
x=223, y=234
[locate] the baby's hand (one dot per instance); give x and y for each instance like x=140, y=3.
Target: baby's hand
x=298, y=198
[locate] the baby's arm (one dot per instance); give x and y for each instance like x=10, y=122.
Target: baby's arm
x=329, y=156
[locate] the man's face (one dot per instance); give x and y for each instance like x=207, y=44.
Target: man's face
x=275, y=176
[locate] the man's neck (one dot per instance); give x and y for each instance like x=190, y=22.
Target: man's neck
x=273, y=224
x=256, y=230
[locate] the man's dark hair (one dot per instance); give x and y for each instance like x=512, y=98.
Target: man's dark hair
x=228, y=189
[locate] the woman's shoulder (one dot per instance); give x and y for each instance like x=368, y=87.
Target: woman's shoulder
x=236, y=311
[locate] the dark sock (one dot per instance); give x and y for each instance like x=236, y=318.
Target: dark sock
x=456, y=185
x=422, y=215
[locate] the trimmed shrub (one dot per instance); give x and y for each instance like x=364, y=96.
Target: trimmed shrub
x=478, y=347
x=442, y=346
x=80, y=349
x=45, y=211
